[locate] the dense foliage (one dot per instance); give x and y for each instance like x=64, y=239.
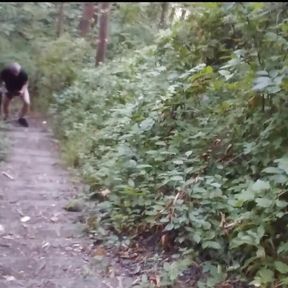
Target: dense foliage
x=185, y=133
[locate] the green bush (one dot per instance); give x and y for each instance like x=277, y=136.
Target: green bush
x=59, y=63
x=190, y=148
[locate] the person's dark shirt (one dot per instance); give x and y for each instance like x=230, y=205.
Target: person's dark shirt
x=14, y=83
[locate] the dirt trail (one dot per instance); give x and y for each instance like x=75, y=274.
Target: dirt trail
x=46, y=250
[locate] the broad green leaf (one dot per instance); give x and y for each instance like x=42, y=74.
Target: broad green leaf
x=188, y=153
x=211, y=244
x=271, y=170
x=147, y=124
x=264, y=279
x=283, y=248
x=266, y=276
x=196, y=237
x=260, y=186
x=261, y=252
x=248, y=147
x=281, y=267
x=263, y=73
x=264, y=202
x=176, y=178
x=189, y=170
x=143, y=166
x=169, y=227
x=246, y=196
x=281, y=204
x=226, y=74
x=250, y=237
x=262, y=83
x=160, y=143
x=178, y=162
x=216, y=185
x=131, y=183
x=279, y=179
x=283, y=163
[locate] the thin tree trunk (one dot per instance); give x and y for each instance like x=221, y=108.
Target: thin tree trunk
x=97, y=10
x=103, y=33
x=172, y=15
x=164, y=12
x=60, y=19
x=183, y=14
x=95, y=16
x=87, y=18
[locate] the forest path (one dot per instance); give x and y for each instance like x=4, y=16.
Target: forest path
x=41, y=244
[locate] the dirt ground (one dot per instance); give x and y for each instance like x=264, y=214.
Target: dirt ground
x=41, y=244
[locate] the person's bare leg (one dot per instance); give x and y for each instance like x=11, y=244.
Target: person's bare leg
x=24, y=110
x=25, y=97
x=6, y=103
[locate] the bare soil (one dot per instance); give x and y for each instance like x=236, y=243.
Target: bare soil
x=41, y=244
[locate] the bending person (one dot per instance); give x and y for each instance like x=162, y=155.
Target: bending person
x=15, y=81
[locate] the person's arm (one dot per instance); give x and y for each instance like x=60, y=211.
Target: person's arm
x=25, y=86
x=26, y=82
x=1, y=76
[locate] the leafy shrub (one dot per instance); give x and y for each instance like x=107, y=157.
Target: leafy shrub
x=188, y=148
x=133, y=27
x=59, y=62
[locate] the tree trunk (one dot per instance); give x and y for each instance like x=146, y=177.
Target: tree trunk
x=183, y=14
x=95, y=17
x=60, y=19
x=87, y=18
x=164, y=12
x=103, y=33
x=172, y=15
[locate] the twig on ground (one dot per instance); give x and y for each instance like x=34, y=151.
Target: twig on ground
x=7, y=175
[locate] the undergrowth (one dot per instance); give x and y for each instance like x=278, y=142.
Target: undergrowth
x=189, y=137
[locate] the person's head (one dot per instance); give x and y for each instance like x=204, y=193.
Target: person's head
x=14, y=68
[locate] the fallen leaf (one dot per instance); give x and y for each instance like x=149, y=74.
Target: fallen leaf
x=7, y=175
x=20, y=212
x=155, y=279
x=54, y=219
x=99, y=251
x=110, y=271
x=46, y=244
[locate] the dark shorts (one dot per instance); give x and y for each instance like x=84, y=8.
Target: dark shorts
x=11, y=94
x=8, y=94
